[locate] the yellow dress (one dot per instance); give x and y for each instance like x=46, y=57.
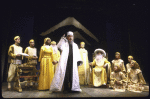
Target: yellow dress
x=99, y=74
x=56, y=57
x=84, y=69
x=46, y=67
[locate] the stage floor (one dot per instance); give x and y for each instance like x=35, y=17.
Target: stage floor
x=87, y=91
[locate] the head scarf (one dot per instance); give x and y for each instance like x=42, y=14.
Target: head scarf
x=16, y=37
x=118, y=53
x=136, y=65
x=31, y=41
x=130, y=56
x=45, y=40
x=69, y=33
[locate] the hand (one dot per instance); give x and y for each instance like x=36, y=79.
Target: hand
x=64, y=35
x=105, y=65
x=55, y=62
x=90, y=64
x=18, y=55
x=118, y=82
x=35, y=57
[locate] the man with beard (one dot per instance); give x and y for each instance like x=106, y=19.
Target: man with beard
x=99, y=71
x=56, y=53
x=67, y=71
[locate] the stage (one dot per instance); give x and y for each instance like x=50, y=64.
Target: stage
x=87, y=91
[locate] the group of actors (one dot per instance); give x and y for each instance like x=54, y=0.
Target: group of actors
x=68, y=68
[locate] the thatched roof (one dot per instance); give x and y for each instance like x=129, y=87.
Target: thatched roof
x=75, y=23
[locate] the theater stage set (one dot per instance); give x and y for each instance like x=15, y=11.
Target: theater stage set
x=113, y=25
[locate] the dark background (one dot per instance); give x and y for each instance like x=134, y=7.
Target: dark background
x=120, y=25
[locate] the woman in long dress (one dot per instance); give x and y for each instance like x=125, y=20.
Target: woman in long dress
x=46, y=67
x=136, y=80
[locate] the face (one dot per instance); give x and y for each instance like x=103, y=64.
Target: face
x=132, y=64
x=129, y=59
x=48, y=42
x=99, y=53
x=82, y=45
x=17, y=40
x=70, y=38
x=117, y=56
x=32, y=44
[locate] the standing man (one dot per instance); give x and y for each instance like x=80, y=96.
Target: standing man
x=67, y=71
x=84, y=69
x=14, y=53
x=56, y=53
x=32, y=58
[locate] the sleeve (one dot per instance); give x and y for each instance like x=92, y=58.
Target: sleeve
x=52, y=54
x=141, y=78
x=127, y=67
x=106, y=61
x=94, y=62
x=112, y=76
x=22, y=56
x=41, y=54
x=79, y=60
x=123, y=67
x=61, y=42
x=58, y=54
x=11, y=52
x=112, y=66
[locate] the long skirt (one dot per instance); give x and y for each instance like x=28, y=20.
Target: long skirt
x=99, y=76
x=46, y=74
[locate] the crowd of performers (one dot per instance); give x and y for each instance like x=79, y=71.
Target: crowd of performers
x=68, y=68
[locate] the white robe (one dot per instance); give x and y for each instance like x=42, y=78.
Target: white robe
x=59, y=75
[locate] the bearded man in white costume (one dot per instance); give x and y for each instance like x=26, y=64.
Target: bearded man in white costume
x=67, y=71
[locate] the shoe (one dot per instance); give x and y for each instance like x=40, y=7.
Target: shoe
x=80, y=90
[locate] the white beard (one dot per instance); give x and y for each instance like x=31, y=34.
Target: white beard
x=99, y=58
x=54, y=49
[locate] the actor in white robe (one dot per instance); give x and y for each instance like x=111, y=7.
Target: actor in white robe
x=59, y=76
x=84, y=70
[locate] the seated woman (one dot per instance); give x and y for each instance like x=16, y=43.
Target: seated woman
x=117, y=79
x=136, y=80
x=119, y=61
x=99, y=75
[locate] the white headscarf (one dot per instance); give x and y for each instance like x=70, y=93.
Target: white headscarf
x=54, y=49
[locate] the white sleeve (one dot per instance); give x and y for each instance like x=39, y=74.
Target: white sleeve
x=61, y=42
